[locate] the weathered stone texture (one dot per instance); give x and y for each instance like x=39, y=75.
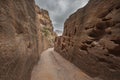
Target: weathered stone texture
x=46, y=35
x=19, y=38
x=91, y=39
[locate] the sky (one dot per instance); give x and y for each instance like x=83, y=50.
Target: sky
x=60, y=10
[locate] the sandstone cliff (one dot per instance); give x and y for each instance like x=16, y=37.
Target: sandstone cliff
x=91, y=39
x=46, y=35
x=20, y=38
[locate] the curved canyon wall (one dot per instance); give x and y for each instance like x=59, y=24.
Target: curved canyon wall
x=91, y=39
x=19, y=39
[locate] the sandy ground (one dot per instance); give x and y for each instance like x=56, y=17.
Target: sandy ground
x=52, y=66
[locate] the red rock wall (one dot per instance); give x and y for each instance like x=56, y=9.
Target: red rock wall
x=91, y=39
x=18, y=39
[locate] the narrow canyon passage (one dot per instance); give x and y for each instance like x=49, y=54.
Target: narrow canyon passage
x=52, y=66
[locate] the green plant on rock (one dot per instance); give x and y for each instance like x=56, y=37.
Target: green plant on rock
x=45, y=31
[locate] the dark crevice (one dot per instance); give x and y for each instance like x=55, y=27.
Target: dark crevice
x=75, y=31
x=117, y=7
x=88, y=42
x=104, y=60
x=62, y=47
x=96, y=33
x=29, y=45
x=100, y=27
x=103, y=14
x=115, y=67
x=115, y=51
x=84, y=47
x=116, y=41
x=109, y=32
x=106, y=54
x=1, y=28
x=19, y=31
x=106, y=19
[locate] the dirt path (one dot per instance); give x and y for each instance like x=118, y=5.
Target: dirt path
x=54, y=67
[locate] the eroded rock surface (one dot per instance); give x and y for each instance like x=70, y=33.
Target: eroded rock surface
x=91, y=39
x=20, y=38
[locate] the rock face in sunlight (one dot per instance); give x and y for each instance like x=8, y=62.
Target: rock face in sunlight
x=91, y=39
x=46, y=35
x=21, y=38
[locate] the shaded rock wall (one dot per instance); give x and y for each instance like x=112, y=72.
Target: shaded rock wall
x=91, y=39
x=18, y=39
x=21, y=41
